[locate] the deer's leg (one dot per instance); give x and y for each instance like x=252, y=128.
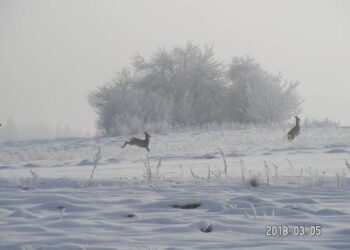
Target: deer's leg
x=125, y=144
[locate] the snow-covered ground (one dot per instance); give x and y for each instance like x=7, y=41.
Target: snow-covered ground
x=197, y=199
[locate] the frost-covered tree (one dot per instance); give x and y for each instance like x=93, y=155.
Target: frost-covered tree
x=187, y=85
x=121, y=109
x=258, y=96
x=188, y=77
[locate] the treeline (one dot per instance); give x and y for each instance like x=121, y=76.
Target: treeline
x=188, y=85
x=11, y=130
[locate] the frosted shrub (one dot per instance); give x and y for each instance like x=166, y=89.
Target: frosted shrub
x=151, y=173
x=258, y=96
x=127, y=111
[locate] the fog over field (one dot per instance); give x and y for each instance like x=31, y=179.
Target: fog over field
x=174, y=124
x=54, y=53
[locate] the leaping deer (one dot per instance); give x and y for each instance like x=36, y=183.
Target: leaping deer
x=295, y=131
x=139, y=142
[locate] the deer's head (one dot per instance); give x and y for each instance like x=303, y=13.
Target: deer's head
x=147, y=135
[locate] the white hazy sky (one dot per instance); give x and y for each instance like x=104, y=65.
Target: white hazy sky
x=53, y=53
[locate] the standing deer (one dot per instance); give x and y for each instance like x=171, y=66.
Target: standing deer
x=139, y=142
x=295, y=131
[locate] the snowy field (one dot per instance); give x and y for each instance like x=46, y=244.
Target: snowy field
x=217, y=189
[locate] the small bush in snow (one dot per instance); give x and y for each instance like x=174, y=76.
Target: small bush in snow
x=151, y=173
x=254, y=181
